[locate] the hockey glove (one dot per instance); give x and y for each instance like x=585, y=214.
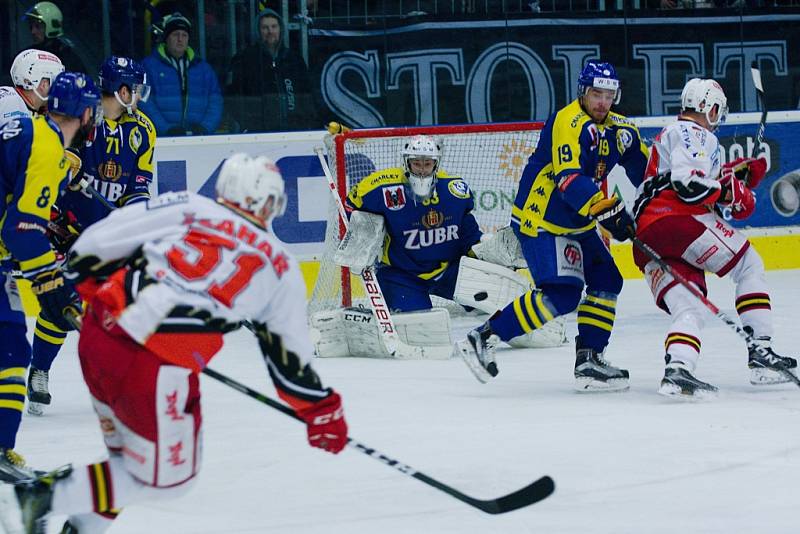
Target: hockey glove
x=749, y=170
x=325, y=423
x=611, y=214
x=57, y=297
x=736, y=196
x=76, y=182
x=62, y=230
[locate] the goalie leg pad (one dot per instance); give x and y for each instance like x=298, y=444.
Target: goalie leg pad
x=362, y=245
x=551, y=334
x=354, y=332
x=486, y=286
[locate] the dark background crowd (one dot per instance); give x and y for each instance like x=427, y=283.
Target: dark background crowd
x=243, y=66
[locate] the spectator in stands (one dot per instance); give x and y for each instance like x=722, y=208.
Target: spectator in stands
x=270, y=87
x=47, y=31
x=185, y=97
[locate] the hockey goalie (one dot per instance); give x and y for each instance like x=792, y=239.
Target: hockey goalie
x=413, y=227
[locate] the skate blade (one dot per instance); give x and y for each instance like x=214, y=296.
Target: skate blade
x=465, y=352
x=10, y=512
x=588, y=384
x=768, y=377
x=674, y=391
x=35, y=408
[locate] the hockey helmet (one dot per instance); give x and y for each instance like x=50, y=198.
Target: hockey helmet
x=251, y=184
x=118, y=71
x=48, y=14
x=32, y=66
x=600, y=75
x=701, y=96
x=426, y=148
x=71, y=93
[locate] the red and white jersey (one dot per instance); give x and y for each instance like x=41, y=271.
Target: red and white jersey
x=682, y=174
x=206, y=260
x=12, y=106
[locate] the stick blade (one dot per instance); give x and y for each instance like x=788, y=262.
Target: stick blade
x=530, y=494
x=755, y=72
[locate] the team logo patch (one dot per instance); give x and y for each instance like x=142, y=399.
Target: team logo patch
x=572, y=255
x=141, y=179
x=459, y=188
x=432, y=219
x=624, y=140
x=394, y=197
x=135, y=139
x=110, y=170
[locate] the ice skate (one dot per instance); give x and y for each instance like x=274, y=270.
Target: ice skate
x=24, y=505
x=768, y=369
x=38, y=391
x=13, y=468
x=477, y=351
x=593, y=373
x=679, y=382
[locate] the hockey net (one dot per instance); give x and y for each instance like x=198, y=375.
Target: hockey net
x=489, y=157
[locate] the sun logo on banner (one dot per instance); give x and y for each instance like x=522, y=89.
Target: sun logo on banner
x=513, y=157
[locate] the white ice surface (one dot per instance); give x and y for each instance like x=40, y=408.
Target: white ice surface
x=631, y=462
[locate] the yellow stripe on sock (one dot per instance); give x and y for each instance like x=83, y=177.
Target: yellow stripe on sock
x=12, y=404
x=102, y=490
x=526, y=327
x=531, y=310
x=596, y=311
x=18, y=389
x=50, y=339
x=604, y=302
x=11, y=372
x=541, y=305
x=594, y=322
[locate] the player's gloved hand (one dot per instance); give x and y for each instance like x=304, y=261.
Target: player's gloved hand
x=76, y=181
x=749, y=170
x=57, y=297
x=325, y=422
x=63, y=229
x=611, y=214
x=736, y=196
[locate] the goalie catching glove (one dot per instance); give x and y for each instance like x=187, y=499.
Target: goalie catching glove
x=327, y=429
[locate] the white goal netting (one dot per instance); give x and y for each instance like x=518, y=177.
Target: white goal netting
x=490, y=158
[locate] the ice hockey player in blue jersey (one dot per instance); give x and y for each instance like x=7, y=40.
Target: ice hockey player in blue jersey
x=117, y=161
x=555, y=213
x=33, y=168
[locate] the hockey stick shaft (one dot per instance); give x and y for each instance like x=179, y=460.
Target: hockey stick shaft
x=538, y=490
x=762, y=100
x=667, y=268
x=377, y=302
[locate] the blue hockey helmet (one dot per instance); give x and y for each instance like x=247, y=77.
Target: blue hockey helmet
x=600, y=75
x=118, y=71
x=72, y=93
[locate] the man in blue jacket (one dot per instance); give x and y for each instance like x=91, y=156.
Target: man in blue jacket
x=185, y=97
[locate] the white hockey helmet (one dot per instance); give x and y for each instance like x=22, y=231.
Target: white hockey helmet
x=32, y=66
x=701, y=96
x=254, y=185
x=422, y=147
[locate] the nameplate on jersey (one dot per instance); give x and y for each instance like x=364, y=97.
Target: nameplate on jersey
x=394, y=197
x=569, y=257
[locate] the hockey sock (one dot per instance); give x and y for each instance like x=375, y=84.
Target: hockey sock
x=596, y=319
x=47, y=341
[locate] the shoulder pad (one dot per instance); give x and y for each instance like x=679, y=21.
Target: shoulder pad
x=382, y=177
x=572, y=115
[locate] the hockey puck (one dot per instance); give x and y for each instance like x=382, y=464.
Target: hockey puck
x=481, y=295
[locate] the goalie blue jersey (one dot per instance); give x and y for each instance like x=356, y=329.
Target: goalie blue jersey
x=422, y=236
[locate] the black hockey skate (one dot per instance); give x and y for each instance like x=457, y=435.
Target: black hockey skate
x=38, y=391
x=13, y=468
x=679, y=382
x=477, y=351
x=593, y=373
x=767, y=368
x=24, y=505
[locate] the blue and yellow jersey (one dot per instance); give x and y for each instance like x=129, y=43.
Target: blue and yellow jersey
x=118, y=162
x=33, y=170
x=563, y=176
x=422, y=236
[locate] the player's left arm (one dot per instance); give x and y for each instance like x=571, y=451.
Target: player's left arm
x=634, y=154
x=138, y=187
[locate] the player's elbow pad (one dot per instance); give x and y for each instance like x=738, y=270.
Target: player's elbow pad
x=697, y=191
x=577, y=190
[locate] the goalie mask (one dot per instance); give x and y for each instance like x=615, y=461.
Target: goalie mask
x=421, y=157
x=253, y=185
x=702, y=96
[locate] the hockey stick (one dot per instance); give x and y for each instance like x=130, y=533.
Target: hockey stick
x=749, y=339
x=762, y=100
x=530, y=494
x=391, y=340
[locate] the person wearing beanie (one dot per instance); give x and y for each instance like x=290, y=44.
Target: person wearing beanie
x=185, y=97
x=46, y=24
x=270, y=88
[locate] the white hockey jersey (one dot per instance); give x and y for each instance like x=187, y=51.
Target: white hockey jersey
x=199, y=263
x=12, y=106
x=682, y=174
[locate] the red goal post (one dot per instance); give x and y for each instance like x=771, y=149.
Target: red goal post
x=489, y=157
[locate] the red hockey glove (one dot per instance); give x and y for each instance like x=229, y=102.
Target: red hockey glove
x=749, y=170
x=327, y=428
x=737, y=196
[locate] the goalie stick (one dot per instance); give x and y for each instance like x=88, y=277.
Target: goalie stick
x=386, y=327
x=530, y=494
x=749, y=338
